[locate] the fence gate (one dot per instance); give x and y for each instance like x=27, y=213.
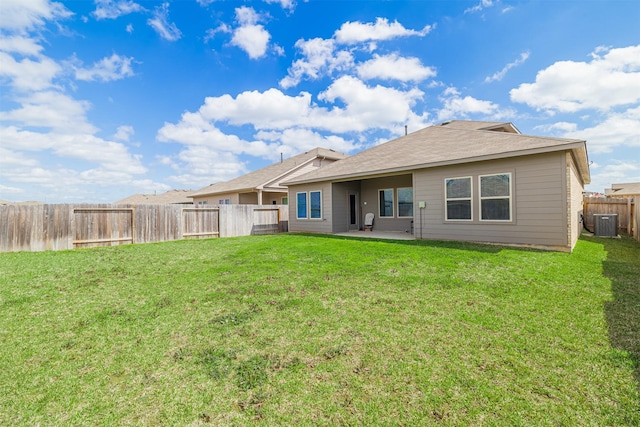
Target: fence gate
x=103, y=226
x=200, y=222
x=266, y=221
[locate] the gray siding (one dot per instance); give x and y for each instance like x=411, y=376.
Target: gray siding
x=340, y=213
x=323, y=225
x=369, y=201
x=539, y=203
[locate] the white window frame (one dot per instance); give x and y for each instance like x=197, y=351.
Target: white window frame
x=306, y=206
x=398, y=201
x=393, y=202
x=509, y=198
x=447, y=199
x=310, y=208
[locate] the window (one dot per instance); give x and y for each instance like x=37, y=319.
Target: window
x=405, y=202
x=458, y=199
x=301, y=205
x=202, y=203
x=495, y=197
x=285, y=200
x=385, y=202
x=315, y=202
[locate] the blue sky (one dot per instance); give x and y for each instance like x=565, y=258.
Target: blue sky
x=103, y=99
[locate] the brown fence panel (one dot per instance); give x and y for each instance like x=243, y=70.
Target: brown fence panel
x=266, y=221
x=102, y=226
x=58, y=227
x=624, y=208
x=200, y=223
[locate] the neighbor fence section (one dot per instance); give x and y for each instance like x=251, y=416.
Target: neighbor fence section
x=624, y=208
x=59, y=227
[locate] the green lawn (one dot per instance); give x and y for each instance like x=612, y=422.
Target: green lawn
x=320, y=330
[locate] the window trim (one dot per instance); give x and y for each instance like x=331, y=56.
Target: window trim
x=447, y=199
x=509, y=198
x=311, y=207
x=398, y=201
x=306, y=205
x=392, y=203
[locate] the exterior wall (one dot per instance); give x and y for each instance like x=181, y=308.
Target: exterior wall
x=248, y=198
x=241, y=199
x=340, y=212
x=369, y=202
x=214, y=199
x=269, y=197
x=323, y=225
x=539, y=203
x=576, y=201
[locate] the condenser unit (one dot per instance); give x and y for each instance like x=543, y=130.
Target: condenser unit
x=606, y=225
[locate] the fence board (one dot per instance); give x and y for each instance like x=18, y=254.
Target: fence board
x=624, y=208
x=59, y=227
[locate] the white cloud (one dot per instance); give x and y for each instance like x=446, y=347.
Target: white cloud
x=394, y=67
x=295, y=141
x=124, y=133
x=129, y=28
x=20, y=44
x=27, y=74
x=253, y=39
x=109, y=155
x=160, y=23
x=21, y=15
x=382, y=29
x=614, y=172
x=618, y=129
x=367, y=107
x=607, y=81
x=52, y=110
x=250, y=36
x=319, y=58
x=285, y=4
x=562, y=127
x=364, y=108
x=286, y=124
x=458, y=107
x=500, y=74
x=480, y=6
x=112, y=9
x=115, y=67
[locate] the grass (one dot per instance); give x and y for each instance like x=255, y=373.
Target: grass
x=319, y=330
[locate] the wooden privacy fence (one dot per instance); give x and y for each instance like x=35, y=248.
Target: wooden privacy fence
x=59, y=227
x=624, y=208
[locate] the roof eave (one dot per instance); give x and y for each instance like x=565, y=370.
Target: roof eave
x=574, y=146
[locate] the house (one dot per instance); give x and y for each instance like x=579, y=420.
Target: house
x=264, y=185
x=171, y=197
x=460, y=180
x=629, y=190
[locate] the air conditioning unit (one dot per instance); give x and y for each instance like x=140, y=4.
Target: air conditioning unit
x=606, y=225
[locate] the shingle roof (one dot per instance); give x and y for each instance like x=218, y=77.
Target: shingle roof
x=624, y=189
x=439, y=145
x=170, y=197
x=255, y=179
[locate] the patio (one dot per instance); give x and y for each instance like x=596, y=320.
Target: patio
x=391, y=235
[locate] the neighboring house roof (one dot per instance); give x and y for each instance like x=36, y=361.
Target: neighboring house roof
x=269, y=176
x=28, y=202
x=171, y=197
x=624, y=189
x=446, y=144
